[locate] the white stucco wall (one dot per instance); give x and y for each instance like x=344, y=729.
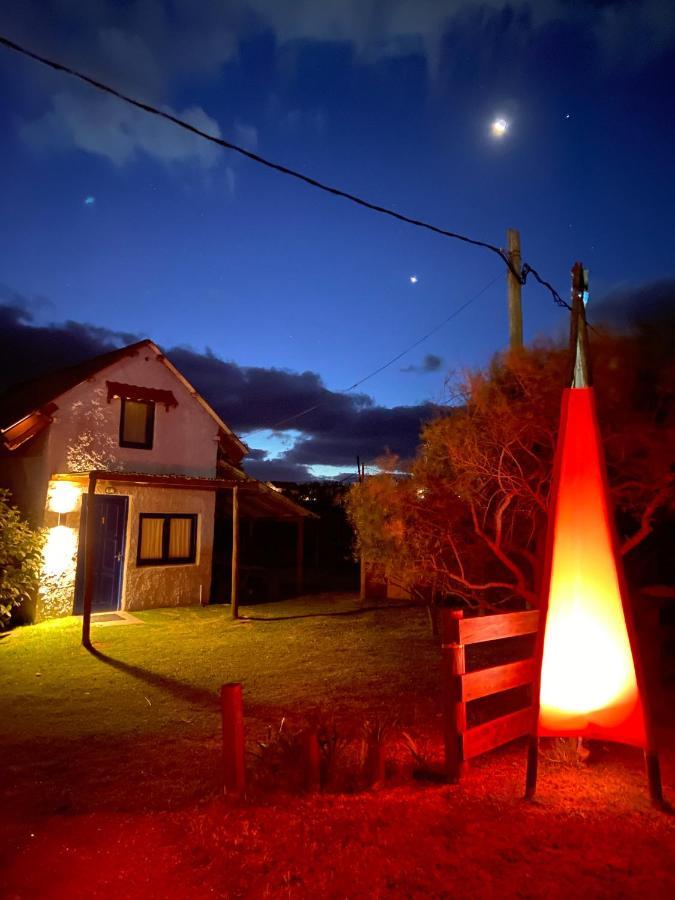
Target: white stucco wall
x=85, y=432
x=185, y=584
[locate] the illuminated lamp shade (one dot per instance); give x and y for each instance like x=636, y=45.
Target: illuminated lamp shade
x=63, y=496
x=58, y=551
x=588, y=683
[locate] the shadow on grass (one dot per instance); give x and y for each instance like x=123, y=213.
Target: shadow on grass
x=178, y=689
x=320, y=615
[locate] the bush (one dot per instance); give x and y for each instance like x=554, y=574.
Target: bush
x=20, y=558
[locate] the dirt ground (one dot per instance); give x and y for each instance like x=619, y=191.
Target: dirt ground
x=589, y=833
x=92, y=806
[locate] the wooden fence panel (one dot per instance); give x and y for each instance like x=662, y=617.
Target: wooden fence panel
x=460, y=687
x=484, y=682
x=497, y=732
x=492, y=628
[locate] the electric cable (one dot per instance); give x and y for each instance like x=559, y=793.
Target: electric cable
x=394, y=359
x=285, y=170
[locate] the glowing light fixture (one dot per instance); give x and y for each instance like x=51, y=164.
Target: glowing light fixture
x=63, y=496
x=589, y=684
x=588, y=681
x=58, y=551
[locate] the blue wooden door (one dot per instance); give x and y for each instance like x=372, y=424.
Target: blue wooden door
x=109, y=533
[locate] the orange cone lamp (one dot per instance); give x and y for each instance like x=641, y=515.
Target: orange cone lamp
x=590, y=682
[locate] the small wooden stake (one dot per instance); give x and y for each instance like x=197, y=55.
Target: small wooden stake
x=234, y=770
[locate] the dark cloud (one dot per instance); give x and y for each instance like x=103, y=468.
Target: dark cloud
x=28, y=350
x=336, y=428
x=430, y=363
x=632, y=307
x=255, y=453
x=367, y=432
x=278, y=470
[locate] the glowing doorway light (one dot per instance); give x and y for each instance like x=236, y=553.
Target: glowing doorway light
x=63, y=496
x=588, y=681
x=59, y=551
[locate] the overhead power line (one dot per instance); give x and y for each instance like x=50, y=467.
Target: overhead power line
x=285, y=170
x=394, y=359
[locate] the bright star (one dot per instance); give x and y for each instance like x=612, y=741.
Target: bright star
x=413, y=279
x=499, y=128
x=89, y=201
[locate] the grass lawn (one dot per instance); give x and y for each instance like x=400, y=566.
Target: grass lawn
x=111, y=771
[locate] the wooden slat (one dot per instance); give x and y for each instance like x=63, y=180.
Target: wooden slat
x=491, y=628
x=484, y=682
x=497, y=732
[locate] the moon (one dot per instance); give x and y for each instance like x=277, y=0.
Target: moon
x=499, y=127
x=413, y=279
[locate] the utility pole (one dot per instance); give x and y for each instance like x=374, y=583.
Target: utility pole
x=514, y=288
x=581, y=368
x=362, y=562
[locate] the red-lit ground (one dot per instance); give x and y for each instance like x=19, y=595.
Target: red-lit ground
x=124, y=811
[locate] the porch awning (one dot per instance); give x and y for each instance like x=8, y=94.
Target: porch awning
x=257, y=500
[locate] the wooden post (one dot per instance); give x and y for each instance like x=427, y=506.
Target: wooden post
x=312, y=760
x=234, y=583
x=90, y=531
x=299, y=556
x=453, y=666
x=363, y=581
x=234, y=770
x=514, y=291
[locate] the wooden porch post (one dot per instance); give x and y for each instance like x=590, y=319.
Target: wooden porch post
x=299, y=556
x=88, y=563
x=234, y=585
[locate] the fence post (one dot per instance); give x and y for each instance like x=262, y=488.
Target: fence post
x=453, y=666
x=234, y=770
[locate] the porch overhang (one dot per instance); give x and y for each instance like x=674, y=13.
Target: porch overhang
x=257, y=500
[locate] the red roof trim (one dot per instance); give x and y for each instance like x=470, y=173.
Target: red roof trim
x=137, y=392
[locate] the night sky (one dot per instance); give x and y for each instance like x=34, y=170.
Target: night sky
x=273, y=297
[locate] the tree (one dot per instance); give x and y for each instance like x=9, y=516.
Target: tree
x=20, y=558
x=470, y=518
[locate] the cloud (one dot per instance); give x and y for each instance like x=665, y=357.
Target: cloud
x=154, y=50
x=28, y=350
x=249, y=398
x=278, y=470
x=630, y=307
x=430, y=363
x=102, y=125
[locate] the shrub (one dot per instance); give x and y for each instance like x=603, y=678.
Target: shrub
x=20, y=558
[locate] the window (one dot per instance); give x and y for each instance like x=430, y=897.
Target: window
x=137, y=423
x=166, y=539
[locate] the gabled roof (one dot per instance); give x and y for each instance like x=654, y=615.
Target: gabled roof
x=29, y=400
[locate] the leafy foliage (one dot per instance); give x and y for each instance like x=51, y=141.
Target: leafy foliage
x=469, y=519
x=20, y=558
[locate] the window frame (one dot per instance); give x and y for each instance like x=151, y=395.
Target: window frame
x=165, y=559
x=149, y=424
